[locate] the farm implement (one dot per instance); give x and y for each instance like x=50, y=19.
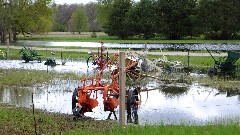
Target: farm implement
x=28, y=54
x=100, y=59
x=224, y=66
x=85, y=97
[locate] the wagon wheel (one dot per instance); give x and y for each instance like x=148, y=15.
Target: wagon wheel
x=132, y=106
x=93, y=63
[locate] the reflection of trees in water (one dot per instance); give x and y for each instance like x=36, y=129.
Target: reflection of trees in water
x=16, y=96
x=174, y=91
x=140, y=82
x=230, y=91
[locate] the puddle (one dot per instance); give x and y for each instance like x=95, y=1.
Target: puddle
x=77, y=67
x=190, y=105
x=199, y=105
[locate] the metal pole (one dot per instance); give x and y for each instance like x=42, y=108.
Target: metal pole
x=122, y=80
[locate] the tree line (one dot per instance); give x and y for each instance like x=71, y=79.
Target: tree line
x=163, y=19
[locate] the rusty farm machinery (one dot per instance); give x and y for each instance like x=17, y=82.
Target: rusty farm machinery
x=99, y=59
x=225, y=66
x=137, y=67
x=84, y=98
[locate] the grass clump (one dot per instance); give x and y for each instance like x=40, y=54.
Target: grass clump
x=25, y=78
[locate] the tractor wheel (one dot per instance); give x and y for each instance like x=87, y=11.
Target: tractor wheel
x=132, y=106
x=74, y=98
x=76, y=110
x=212, y=72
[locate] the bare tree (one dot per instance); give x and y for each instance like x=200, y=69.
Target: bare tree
x=91, y=13
x=63, y=15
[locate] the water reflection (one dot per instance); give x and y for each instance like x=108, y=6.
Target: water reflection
x=175, y=46
x=174, y=91
x=199, y=105
x=191, y=105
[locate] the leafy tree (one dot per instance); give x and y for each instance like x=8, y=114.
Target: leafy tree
x=44, y=25
x=117, y=20
x=104, y=8
x=141, y=18
x=79, y=20
x=173, y=17
x=23, y=15
x=219, y=19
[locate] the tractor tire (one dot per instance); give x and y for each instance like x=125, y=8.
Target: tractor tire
x=132, y=107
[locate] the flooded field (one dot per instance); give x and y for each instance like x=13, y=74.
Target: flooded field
x=77, y=67
x=181, y=103
x=225, y=46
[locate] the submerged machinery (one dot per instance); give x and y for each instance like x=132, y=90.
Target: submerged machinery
x=225, y=66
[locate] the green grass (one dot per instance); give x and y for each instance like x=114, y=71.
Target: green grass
x=113, y=39
x=14, y=54
x=21, y=121
x=218, y=129
x=25, y=78
x=17, y=120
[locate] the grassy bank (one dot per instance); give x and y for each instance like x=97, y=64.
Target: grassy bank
x=102, y=37
x=25, y=78
x=44, y=54
x=15, y=120
x=21, y=121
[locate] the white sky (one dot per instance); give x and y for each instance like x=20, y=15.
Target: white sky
x=73, y=1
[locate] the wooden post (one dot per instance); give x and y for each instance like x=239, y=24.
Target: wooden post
x=122, y=80
x=188, y=56
x=61, y=55
x=34, y=118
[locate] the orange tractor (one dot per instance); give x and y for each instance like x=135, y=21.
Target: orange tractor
x=84, y=98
